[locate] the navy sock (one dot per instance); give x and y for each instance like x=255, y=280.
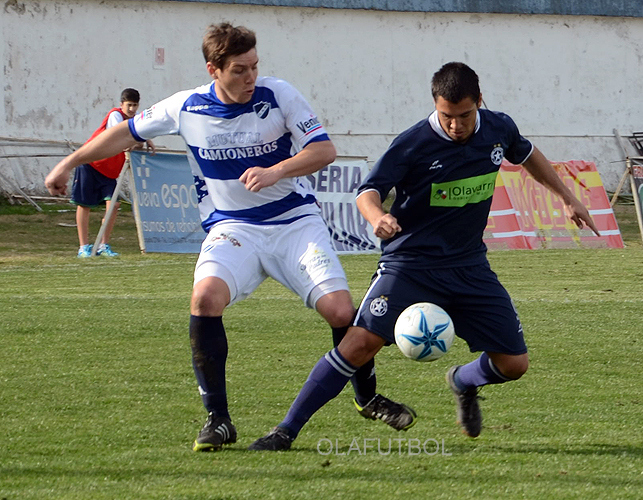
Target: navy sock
x=209, y=354
x=364, y=381
x=480, y=372
x=326, y=380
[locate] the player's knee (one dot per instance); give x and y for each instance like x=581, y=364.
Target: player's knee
x=341, y=316
x=515, y=367
x=209, y=298
x=336, y=308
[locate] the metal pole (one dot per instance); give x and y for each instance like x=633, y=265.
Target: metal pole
x=22, y=193
x=136, y=209
x=636, y=196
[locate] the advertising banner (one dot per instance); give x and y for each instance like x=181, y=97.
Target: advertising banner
x=165, y=203
x=335, y=186
x=167, y=212
x=526, y=215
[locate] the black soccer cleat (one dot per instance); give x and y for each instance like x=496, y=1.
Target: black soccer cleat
x=276, y=440
x=468, y=412
x=216, y=432
x=397, y=415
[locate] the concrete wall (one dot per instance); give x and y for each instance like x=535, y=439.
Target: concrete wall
x=568, y=81
x=620, y=8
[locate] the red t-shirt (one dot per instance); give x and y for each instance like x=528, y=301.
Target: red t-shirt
x=109, y=167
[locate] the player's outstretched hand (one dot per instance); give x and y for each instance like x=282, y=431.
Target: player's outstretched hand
x=148, y=145
x=257, y=178
x=578, y=213
x=56, y=181
x=386, y=227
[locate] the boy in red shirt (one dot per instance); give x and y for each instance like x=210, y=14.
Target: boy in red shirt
x=94, y=183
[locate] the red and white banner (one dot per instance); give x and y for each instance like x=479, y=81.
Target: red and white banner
x=526, y=215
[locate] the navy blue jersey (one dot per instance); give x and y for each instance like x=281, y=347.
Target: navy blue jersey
x=444, y=189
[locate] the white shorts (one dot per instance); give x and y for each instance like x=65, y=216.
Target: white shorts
x=298, y=255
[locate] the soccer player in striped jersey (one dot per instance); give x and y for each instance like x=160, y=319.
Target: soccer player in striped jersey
x=443, y=170
x=251, y=141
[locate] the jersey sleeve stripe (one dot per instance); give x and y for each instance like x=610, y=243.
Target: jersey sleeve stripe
x=132, y=130
x=319, y=138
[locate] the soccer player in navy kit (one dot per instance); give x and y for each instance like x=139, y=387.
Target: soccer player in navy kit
x=251, y=141
x=443, y=170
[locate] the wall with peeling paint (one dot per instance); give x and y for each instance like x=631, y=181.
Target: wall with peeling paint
x=620, y=8
x=568, y=81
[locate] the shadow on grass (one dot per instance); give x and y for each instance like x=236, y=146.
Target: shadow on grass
x=451, y=449
x=247, y=474
x=597, y=449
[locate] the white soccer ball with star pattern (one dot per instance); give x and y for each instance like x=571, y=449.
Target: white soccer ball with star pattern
x=424, y=332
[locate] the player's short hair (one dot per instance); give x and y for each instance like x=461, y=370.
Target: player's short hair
x=454, y=81
x=130, y=95
x=224, y=40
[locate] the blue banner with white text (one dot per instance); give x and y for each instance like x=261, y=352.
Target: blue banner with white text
x=168, y=215
x=167, y=203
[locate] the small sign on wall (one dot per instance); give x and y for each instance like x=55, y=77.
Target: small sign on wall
x=159, y=58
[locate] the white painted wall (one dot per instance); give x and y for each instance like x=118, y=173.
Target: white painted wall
x=567, y=81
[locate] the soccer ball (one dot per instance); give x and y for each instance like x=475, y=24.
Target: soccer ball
x=424, y=332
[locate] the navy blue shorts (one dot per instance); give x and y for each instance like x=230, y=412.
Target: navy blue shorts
x=90, y=187
x=480, y=307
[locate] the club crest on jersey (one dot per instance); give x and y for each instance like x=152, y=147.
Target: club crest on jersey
x=379, y=306
x=497, y=154
x=262, y=109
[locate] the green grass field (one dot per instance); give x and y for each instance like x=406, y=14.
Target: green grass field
x=98, y=398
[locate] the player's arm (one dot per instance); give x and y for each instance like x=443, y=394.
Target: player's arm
x=541, y=170
x=111, y=142
x=384, y=224
x=310, y=159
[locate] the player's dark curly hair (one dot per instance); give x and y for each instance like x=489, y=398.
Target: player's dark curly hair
x=224, y=40
x=454, y=81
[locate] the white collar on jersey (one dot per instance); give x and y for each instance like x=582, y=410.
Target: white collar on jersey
x=434, y=121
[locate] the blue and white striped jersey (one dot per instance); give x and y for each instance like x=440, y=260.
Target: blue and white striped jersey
x=223, y=140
